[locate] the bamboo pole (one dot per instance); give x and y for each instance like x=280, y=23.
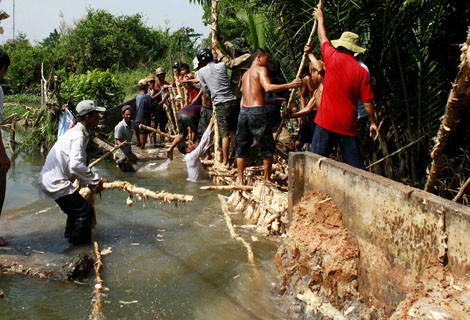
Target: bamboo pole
x=173, y=111
x=97, y=310
x=163, y=134
x=299, y=71
x=104, y=156
x=178, y=87
x=462, y=190
x=395, y=152
x=214, y=23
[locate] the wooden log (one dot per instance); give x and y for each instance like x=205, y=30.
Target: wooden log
x=97, y=309
x=231, y=187
x=457, y=102
x=146, y=193
x=233, y=234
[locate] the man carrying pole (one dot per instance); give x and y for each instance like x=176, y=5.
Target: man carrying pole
x=66, y=162
x=345, y=82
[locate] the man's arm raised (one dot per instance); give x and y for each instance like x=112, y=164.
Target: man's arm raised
x=321, y=30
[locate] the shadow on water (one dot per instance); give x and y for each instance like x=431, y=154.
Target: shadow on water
x=167, y=261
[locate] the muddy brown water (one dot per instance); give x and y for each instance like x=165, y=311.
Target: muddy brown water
x=167, y=261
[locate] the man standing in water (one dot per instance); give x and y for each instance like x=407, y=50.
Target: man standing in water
x=253, y=119
x=4, y=160
x=66, y=162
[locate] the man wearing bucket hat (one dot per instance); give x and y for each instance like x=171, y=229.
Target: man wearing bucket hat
x=65, y=163
x=344, y=84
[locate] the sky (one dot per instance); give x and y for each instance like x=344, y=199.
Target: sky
x=38, y=18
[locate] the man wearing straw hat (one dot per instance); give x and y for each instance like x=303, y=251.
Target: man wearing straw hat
x=344, y=84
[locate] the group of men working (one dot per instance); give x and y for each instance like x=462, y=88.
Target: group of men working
x=344, y=81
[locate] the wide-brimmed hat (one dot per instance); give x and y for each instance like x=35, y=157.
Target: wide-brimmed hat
x=350, y=41
x=86, y=106
x=150, y=78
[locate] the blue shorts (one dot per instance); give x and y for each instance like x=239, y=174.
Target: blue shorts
x=253, y=122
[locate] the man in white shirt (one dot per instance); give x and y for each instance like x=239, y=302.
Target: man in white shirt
x=65, y=163
x=4, y=160
x=193, y=151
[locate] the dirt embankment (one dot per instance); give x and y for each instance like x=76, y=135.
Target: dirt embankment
x=319, y=271
x=320, y=258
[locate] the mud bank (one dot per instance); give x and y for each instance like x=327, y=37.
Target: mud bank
x=320, y=273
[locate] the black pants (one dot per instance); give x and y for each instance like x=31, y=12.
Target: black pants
x=79, y=215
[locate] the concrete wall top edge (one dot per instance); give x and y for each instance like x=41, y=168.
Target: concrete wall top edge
x=418, y=194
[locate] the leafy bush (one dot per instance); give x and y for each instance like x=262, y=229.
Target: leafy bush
x=100, y=86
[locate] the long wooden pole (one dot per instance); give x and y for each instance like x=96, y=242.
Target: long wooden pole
x=299, y=71
x=163, y=134
x=214, y=19
x=104, y=156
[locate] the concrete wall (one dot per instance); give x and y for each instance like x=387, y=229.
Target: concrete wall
x=400, y=229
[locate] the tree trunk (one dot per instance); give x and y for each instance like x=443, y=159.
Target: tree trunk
x=459, y=99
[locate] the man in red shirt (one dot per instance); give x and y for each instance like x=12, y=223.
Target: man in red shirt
x=344, y=84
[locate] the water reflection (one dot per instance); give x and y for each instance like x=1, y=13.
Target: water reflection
x=168, y=262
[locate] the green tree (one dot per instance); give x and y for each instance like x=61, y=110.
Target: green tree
x=24, y=73
x=100, y=86
x=104, y=41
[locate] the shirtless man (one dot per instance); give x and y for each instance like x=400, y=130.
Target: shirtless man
x=253, y=119
x=312, y=84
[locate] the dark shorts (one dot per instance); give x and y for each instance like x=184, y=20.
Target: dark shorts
x=204, y=120
x=306, y=132
x=161, y=119
x=227, y=116
x=253, y=122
